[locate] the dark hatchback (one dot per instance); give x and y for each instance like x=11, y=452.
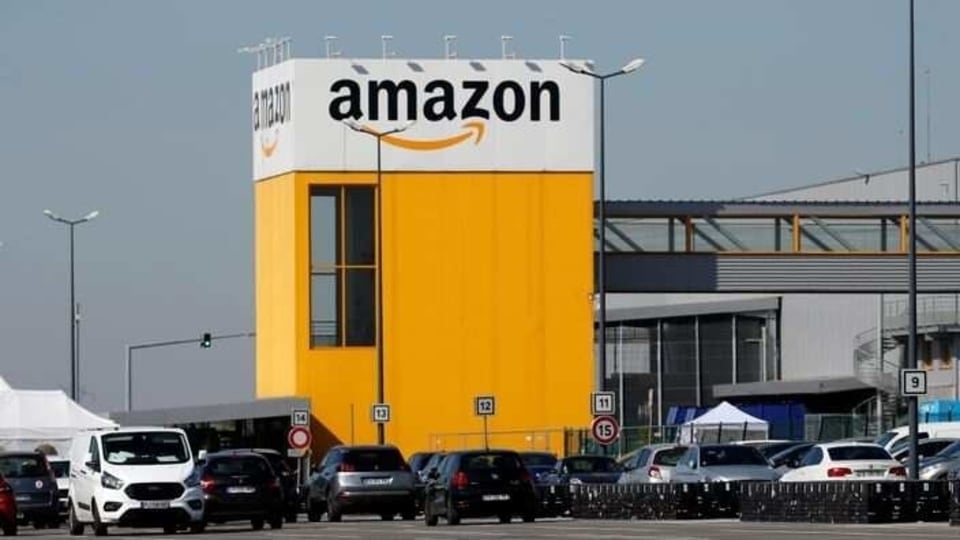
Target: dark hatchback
x=480, y=483
x=586, y=469
x=34, y=488
x=539, y=464
x=292, y=500
x=240, y=487
x=418, y=466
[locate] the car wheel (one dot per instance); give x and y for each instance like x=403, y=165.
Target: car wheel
x=198, y=527
x=257, y=524
x=429, y=519
x=99, y=529
x=291, y=517
x=10, y=529
x=169, y=529
x=504, y=518
x=314, y=512
x=75, y=527
x=453, y=516
x=276, y=522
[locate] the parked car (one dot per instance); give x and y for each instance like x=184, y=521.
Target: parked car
x=34, y=488
x=420, y=477
x=418, y=462
x=941, y=465
x=8, y=509
x=771, y=448
x=433, y=463
x=722, y=463
x=791, y=457
x=924, y=431
x=362, y=480
x=61, y=471
x=241, y=486
x=846, y=461
x=925, y=448
x=289, y=481
x=585, y=469
x=133, y=477
x=539, y=464
x=651, y=464
x=480, y=483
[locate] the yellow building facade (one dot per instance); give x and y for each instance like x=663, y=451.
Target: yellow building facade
x=480, y=236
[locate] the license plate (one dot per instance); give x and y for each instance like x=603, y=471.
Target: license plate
x=23, y=498
x=241, y=489
x=867, y=474
x=376, y=481
x=155, y=505
x=496, y=498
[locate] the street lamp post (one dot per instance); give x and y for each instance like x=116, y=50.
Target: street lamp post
x=630, y=67
x=74, y=330
x=913, y=462
x=379, y=135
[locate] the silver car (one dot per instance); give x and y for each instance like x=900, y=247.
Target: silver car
x=722, y=463
x=651, y=464
x=362, y=480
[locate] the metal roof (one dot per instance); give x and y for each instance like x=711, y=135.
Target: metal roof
x=740, y=208
x=261, y=408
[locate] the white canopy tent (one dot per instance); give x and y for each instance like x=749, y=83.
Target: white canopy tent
x=723, y=423
x=29, y=418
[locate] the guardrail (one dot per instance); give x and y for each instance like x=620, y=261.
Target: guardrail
x=809, y=502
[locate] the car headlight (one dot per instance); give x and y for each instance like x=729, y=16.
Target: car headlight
x=110, y=481
x=575, y=481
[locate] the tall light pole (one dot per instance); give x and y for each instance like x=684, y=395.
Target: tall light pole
x=914, y=459
x=379, y=135
x=630, y=67
x=74, y=330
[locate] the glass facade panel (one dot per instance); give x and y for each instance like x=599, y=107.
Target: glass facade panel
x=324, y=312
x=679, y=363
x=716, y=355
x=361, y=306
x=632, y=350
x=359, y=233
x=324, y=217
x=750, y=349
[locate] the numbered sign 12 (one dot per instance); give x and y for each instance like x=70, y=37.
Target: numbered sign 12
x=484, y=405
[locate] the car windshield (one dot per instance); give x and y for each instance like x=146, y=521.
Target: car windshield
x=594, y=464
x=238, y=466
x=277, y=462
x=858, y=453
x=375, y=459
x=538, y=460
x=24, y=466
x=885, y=438
x=952, y=450
x=417, y=461
x=61, y=469
x=730, y=455
x=669, y=457
x=145, y=448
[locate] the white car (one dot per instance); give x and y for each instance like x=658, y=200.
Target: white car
x=133, y=477
x=846, y=461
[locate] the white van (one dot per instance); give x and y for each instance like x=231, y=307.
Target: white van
x=931, y=430
x=133, y=477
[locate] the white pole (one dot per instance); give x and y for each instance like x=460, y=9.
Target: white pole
x=620, y=397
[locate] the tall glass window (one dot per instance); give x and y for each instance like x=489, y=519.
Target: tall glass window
x=343, y=267
x=716, y=355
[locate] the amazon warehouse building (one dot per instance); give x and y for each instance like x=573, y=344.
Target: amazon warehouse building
x=425, y=234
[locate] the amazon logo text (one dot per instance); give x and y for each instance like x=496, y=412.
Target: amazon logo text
x=439, y=100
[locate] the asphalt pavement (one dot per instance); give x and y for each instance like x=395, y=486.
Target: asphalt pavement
x=555, y=528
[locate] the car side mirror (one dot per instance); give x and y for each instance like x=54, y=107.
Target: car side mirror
x=90, y=463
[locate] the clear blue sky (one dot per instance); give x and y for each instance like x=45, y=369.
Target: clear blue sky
x=140, y=110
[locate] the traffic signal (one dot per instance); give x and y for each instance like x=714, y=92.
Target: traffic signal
x=206, y=341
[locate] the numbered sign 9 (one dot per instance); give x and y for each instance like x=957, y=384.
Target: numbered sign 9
x=913, y=382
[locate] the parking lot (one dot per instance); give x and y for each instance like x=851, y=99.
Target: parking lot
x=567, y=529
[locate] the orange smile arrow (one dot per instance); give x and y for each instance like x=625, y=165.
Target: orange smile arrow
x=473, y=129
x=268, y=149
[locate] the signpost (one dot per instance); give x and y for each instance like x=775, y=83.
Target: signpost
x=913, y=382
x=605, y=430
x=484, y=406
x=298, y=441
x=602, y=403
x=380, y=413
x=300, y=417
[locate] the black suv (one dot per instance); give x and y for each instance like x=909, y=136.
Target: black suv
x=240, y=486
x=480, y=483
